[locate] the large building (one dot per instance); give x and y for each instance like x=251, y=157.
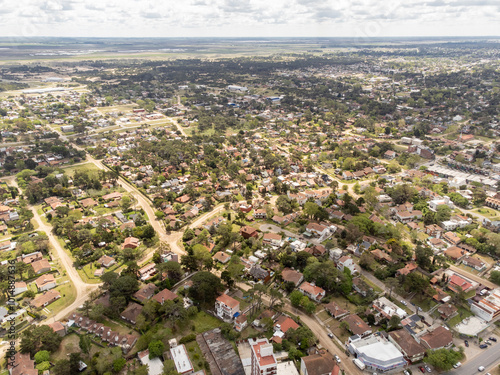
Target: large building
x=181, y=359
x=226, y=307
x=377, y=353
x=263, y=359
x=489, y=307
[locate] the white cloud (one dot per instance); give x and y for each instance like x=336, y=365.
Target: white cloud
x=249, y=18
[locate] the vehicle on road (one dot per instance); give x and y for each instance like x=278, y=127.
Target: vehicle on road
x=466, y=343
x=483, y=346
x=406, y=372
x=330, y=335
x=457, y=365
x=337, y=358
x=403, y=302
x=428, y=368
x=421, y=369
x=480, y=368
x=493, y=339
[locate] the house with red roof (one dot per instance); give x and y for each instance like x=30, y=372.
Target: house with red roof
x=226, y=307
x=312, y=291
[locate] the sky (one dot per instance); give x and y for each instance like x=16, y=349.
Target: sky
x=249, y=18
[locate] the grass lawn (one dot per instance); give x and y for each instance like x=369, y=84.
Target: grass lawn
x=70, y=171
x=204, y=322
x=487, y=212
x=249, y=331
x=462, y=314
x=117, y=327
x=87, y=274
x=195, y=355
x=68, y=295
x=323, y=315
x=426, y=304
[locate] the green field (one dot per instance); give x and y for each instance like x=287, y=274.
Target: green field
x=70, y=171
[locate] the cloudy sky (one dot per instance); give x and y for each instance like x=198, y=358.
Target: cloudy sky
x=254, y=18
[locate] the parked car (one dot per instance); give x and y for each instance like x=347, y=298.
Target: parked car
x=428, y=368
x=480, y=368
x=337, y=358
x=457, y=365
x=421, y=369
x=488, y=342
x=406, y=372
x=466, y=343
x=483, y=346
x=403, y=302
x=493, y=339
x=330, y=335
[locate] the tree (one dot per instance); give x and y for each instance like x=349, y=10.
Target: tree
x=37, y=338
x=423, y=256
x=295, y=298
x=444, y=359
x=443, y=213
x=85, y=344
x=156, y=349
x=344, y=325
x=42, y=356
x=416, y=283
x=495, y=277
x=394, y=321
x=205, y=288
x=62, y=367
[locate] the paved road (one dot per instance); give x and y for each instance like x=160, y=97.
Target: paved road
x=83, y=289
x=489, y=358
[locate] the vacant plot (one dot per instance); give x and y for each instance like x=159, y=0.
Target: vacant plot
x=85, y=167
x=487, y=212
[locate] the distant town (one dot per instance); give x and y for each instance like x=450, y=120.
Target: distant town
x=334, y=211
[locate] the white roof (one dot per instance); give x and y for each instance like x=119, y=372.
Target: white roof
x=381, y=350
x=181, y=359
x=155, y=365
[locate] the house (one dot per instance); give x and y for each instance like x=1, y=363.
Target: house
x=22, y=364
x=436, y=202
x=131, y=313
x=283, y=324
x=226, y=307
x=154, y=365
x=164, y=295
x=319, y=364
x=377, y=353
x=292, y=276
x=357, y=326
x=433, y=230
x=346, y=175
x=389, y=154
x=260, y=274
x=222, y=257
x=272, y=239
x=181, y=360
x=346, y=262
x=407, y=269
x=335, y=310
x=240, y=322
x=145, y=293
x=106, y=261
x=147, y=272
x=112, y=196
x=381, y=255
x=45, y=282
x=46, y=299
x=41, y=266
x=19, y=287
x=455, y=253
x=312, y=291
x=404, y=341
x=130, y=243
x=361, y=287
x=248, y=232
x=457, y=284
x=452, y=238
x=58, y=328
x=447, y=311
x=88, y=202
x=475, y=263
x=439, y=338
x=317, y=229
x=385, y=309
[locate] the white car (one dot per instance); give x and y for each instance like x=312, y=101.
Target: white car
x=337, y=358
x=403, y=302
x=480, y=368
x=457, y=365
